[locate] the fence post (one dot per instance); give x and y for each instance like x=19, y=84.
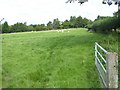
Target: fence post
x=112, y=69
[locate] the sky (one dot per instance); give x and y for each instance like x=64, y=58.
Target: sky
x=43, y=11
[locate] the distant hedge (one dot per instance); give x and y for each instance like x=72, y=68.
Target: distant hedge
x=105, y=25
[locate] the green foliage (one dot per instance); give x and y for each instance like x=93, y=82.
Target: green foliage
x=105, y=24
x=66, y=24
x=117, y=14
x=74, y=22
x=30, y=28
x=5, y=28
x=50, y=25
x=78, y=22
x=18, y=27
x=56, y=24
x=41, y=27
x=101, y=17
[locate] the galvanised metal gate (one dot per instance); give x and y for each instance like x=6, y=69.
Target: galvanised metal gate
x=106, y=64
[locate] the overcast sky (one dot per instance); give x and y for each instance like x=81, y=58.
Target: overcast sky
x=42, y=11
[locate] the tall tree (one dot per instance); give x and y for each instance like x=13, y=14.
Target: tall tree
x=19, y=27
x=66, y=24
x=5, y=27
x=56, y=23
x=30, y=28
x=72, y=21
x=41, y=27
x=86, y=22
x=79, y=22
x=50, y=25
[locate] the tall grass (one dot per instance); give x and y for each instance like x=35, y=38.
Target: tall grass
x=50, y=59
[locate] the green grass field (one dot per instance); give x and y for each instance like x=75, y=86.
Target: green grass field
x=51, y=59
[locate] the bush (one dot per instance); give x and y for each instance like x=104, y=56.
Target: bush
x=105, y=25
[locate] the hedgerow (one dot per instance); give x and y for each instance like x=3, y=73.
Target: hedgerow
x=105, y=25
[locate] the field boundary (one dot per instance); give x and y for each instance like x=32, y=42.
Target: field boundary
x=107, y=66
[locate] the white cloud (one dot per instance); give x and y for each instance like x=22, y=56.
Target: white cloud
x=41, y=11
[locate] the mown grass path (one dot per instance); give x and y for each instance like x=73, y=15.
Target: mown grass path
x=52, y=60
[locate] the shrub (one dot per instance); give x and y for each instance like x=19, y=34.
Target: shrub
x=105, y=25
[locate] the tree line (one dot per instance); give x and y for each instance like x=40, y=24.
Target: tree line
x=102, y=24
x=74, y=22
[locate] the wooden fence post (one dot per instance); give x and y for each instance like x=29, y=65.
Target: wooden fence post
x=112, y=69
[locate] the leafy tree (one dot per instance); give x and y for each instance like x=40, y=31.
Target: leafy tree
x=61, y=26
x=79, y=22
x=38, y=28
x=101, y=17
x=50, y=25
x=66, y=24
x=19, y=27
x=72, y=21
x=33, y=25
x=30, y=28
x=5, y=27
x=41, y=27
x=56, y=23
x=117, y=14
x=86, y=22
